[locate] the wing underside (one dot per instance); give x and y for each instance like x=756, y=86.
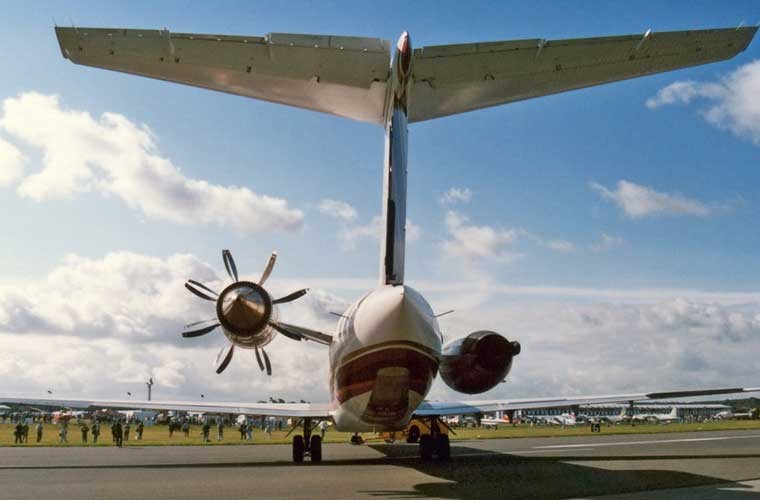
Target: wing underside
x=298, y=410
x=433, y=408
x=344, y=76
x=450, y=79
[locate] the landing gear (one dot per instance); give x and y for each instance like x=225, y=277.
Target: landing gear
x=414, y=434
x=436, y=443
x=356, y=440
x=307, y=445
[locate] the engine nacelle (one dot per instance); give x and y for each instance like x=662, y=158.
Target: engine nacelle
x=244, y=310
x=477, y=362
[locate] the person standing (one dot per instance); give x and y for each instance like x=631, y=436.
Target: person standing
x=186, y=428
x=249, y=431
x=242, y=430
x=268, y=429
x=18, y=433
x=85, y=430
x=220, y=431
x=206, y=429
x=95, y=432
x=39, y=431
x=113, y=431
x=140, y=430
x=117, y=432
x=63, y=434
x=25, y=430
x=126, y=431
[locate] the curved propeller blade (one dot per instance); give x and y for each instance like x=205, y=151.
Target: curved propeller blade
x=258, y=358
x=229, y=264
x=200, y=322
x=266, y=361
x=284, y=331
x=199, y=332
x=291, y=297
x=196, y=283
x=198, y=293
x=226, y=361
x=268, y=269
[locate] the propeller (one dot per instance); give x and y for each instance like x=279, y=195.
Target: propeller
x=243, y=316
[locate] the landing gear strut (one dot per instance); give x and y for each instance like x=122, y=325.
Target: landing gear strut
x=307, y=444
x=436, y=443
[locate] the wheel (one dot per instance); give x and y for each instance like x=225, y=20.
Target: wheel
x=426, y=447
x=443, y=447
x=414, y=434
x=316, y=449
x=298, y=449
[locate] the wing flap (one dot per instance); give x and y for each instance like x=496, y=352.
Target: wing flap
x=344, y=76
x=453, y=79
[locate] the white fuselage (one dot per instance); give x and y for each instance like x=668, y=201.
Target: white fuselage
x=383, y=359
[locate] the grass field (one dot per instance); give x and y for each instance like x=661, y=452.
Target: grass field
x=159, y=435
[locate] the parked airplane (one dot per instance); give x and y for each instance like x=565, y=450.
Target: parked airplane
x=659, y=417
x=387, y=347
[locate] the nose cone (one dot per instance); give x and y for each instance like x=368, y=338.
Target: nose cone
x=403, y=43
x=404, y=56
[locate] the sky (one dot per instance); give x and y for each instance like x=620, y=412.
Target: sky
x=612, y=230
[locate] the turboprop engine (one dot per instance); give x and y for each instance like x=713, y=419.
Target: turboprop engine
x=477, y=362
x=245, y=311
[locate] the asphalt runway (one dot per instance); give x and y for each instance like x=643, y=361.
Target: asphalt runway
x=706, y=465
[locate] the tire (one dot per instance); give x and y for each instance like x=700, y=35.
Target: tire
x=298, y=449
x=426, y=447
x=316, y=449
x=443, y=447
x=414, y=434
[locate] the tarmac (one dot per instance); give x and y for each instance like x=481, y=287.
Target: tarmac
x=695, y=466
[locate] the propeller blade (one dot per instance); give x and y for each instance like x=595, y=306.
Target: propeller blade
x=200, y=322
x=229, y=263
x=198, y=292
x=258, y=358
x=266, y=361
x=199, y=332
x=226, y=361
x=268, y=269
x=196, y=283
x=284, y=331
x=291, y=297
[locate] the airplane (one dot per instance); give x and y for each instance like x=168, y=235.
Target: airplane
x=387, y=347
x=616, y=419
x=659, y=417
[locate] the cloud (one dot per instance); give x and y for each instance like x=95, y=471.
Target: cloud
x=606, y=242
x=374, y=230
x=641, y=201
x=115, y=156
x=733, y=100
x=561, y=246
x=338, y=209
x=470, y=242
x=456, y=195
x=12, y=163
x=103, y=326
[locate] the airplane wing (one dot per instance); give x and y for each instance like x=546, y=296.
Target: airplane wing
x=451, y=79
x=439, y=409
x=344, y=76
x=299, y=410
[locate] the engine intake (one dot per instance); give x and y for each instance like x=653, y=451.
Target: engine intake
x=477, y=362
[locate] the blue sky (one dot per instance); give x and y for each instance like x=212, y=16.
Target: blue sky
x=530, y=167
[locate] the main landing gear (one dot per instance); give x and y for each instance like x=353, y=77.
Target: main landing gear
x=437, y=442
x=307, y=444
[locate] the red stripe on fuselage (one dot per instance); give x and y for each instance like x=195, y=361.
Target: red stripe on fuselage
x=358, y=376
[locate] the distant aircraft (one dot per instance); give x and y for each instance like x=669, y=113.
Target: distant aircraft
x=387, y=347
x=658, y=417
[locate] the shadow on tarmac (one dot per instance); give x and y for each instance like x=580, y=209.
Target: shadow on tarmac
x=476, y=474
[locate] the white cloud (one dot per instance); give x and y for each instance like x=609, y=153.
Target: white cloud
x=12, y=163
x=456, y=195
x=338, y=209
x=561, y=246
x=114, y=156
x=374, y=230
x=734, y=103
x=469, y=242
x=641, y=201
x=103, y=326
x=606, y=242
